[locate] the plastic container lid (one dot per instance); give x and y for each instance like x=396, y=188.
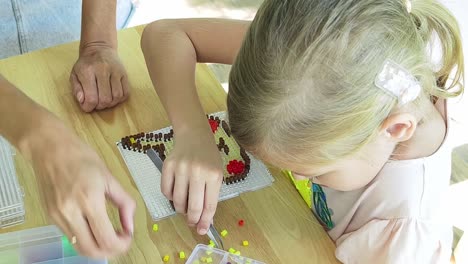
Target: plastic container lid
x=201, y=254
x=42, y=245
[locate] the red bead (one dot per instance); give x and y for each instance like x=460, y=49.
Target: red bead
x=213, y=125
x=241, y=222
x=235, y=167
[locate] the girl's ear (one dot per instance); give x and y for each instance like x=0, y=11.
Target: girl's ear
x=399, y=127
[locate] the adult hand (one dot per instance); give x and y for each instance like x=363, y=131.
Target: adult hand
x=75, y=185
x=99, y=79
x=192, y=176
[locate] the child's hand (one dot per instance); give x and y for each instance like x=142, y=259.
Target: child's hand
x=192, y=177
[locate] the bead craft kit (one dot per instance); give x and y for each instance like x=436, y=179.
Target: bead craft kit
x=242, y=172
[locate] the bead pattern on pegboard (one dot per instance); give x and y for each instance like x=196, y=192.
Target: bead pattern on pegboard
x=235, y=159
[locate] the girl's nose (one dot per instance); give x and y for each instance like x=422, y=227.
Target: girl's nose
x=299, y=177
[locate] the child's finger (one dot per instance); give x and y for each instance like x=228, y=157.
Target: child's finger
x=196, y=199
x=181, y=188
x=209, y=209
x=167, y=179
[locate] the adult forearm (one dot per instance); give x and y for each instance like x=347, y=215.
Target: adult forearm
x=21, y=119
x=98, y=26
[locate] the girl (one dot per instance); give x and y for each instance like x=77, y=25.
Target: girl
x=343, y=93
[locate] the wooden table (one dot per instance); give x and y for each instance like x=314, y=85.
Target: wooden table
x=278, y=224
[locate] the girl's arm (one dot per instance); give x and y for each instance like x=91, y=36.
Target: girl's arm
x=173, y=47
x=192, y=174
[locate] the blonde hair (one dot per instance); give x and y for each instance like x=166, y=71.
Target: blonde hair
x=302, y=87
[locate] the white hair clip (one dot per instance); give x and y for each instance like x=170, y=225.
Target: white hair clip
x=398, y=82
x=409, y=6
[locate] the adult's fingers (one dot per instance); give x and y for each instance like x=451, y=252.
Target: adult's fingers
x=88, y=82
x=85, y=242
x=104, y=91
x=125, y=87
x=117, y=90
x=124, y=202
x=77, y=88
x=107, y=238
x=209, y=209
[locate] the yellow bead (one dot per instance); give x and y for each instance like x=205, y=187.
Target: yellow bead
x=203, y=259
x=132, y=140
x=182, y=255
x=211, y=245
x=231, y=250
x=155, y=227
x=166, y=258
x=209, y=260
x=245, y=243
x=224, y=233
x=237, y=253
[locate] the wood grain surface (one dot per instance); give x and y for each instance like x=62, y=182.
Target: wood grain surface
x=278, y=224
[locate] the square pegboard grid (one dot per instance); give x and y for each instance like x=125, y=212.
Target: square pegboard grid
x=148, y=179
x=11, y=194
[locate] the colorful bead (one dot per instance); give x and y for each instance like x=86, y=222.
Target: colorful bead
x=155, y=227
x=235, y=167
x=166, y=258
x=241, y=222
x=245, y=243
x=224, y=233
x=213, y=125
x=182, y=255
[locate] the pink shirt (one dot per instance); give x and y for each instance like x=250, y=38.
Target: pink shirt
x=399, y=216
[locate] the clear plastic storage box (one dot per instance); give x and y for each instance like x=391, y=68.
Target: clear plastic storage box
x=11, y=194
x=204, y=254
x=42, y=245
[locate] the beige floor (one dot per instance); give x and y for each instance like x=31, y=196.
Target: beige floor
x=150, y=10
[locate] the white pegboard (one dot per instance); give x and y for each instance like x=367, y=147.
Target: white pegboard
x=11, y=195
x=148, y=179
